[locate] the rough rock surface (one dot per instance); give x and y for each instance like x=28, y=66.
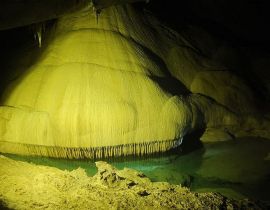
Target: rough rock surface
x=214, y=135
x=109, y=84
x=28, y=186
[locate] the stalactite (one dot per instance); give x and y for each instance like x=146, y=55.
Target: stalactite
x=139, y=149
x=38, y=30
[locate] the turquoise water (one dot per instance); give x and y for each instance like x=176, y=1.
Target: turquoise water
x=237, y=169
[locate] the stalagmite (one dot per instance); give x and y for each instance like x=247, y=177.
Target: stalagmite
x=91, y=94
x=101, y=90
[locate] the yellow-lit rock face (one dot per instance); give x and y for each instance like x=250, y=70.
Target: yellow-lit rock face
x=92, y=87
x=43, y=187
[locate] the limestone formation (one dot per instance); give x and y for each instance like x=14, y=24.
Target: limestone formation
x=28, y=186
x=104, y=89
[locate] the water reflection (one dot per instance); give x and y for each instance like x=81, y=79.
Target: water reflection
x=238, y=168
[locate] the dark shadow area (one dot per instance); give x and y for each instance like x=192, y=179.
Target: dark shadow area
x=186, y=160
x=3, y=206
x=148, y=54
x=241, y=26
x=10, y=42
x=171, y=85
x=235, y=168
x=19, y=51
x=191, y=141
x=166, y=83
x=242, y=21
x=259, y=188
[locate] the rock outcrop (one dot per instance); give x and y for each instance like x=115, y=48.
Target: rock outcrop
x=28, y=186
x=124, y=85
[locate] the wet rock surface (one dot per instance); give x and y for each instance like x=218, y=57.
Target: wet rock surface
x=214, y=134
x=28, y=186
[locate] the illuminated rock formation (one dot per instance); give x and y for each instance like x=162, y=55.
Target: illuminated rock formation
x=91, y=93
x=97, y=90
x=43, y=187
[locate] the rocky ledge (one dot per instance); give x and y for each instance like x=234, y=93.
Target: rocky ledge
x=28, y=186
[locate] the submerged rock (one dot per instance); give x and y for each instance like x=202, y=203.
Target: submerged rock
x=41, y=187
x=215, y=134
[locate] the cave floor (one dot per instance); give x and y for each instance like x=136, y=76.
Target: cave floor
x=237, y=169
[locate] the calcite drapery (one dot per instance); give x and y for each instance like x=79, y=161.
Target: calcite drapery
x=91, y=93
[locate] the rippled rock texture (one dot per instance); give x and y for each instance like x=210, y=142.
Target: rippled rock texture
x=117, y=84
